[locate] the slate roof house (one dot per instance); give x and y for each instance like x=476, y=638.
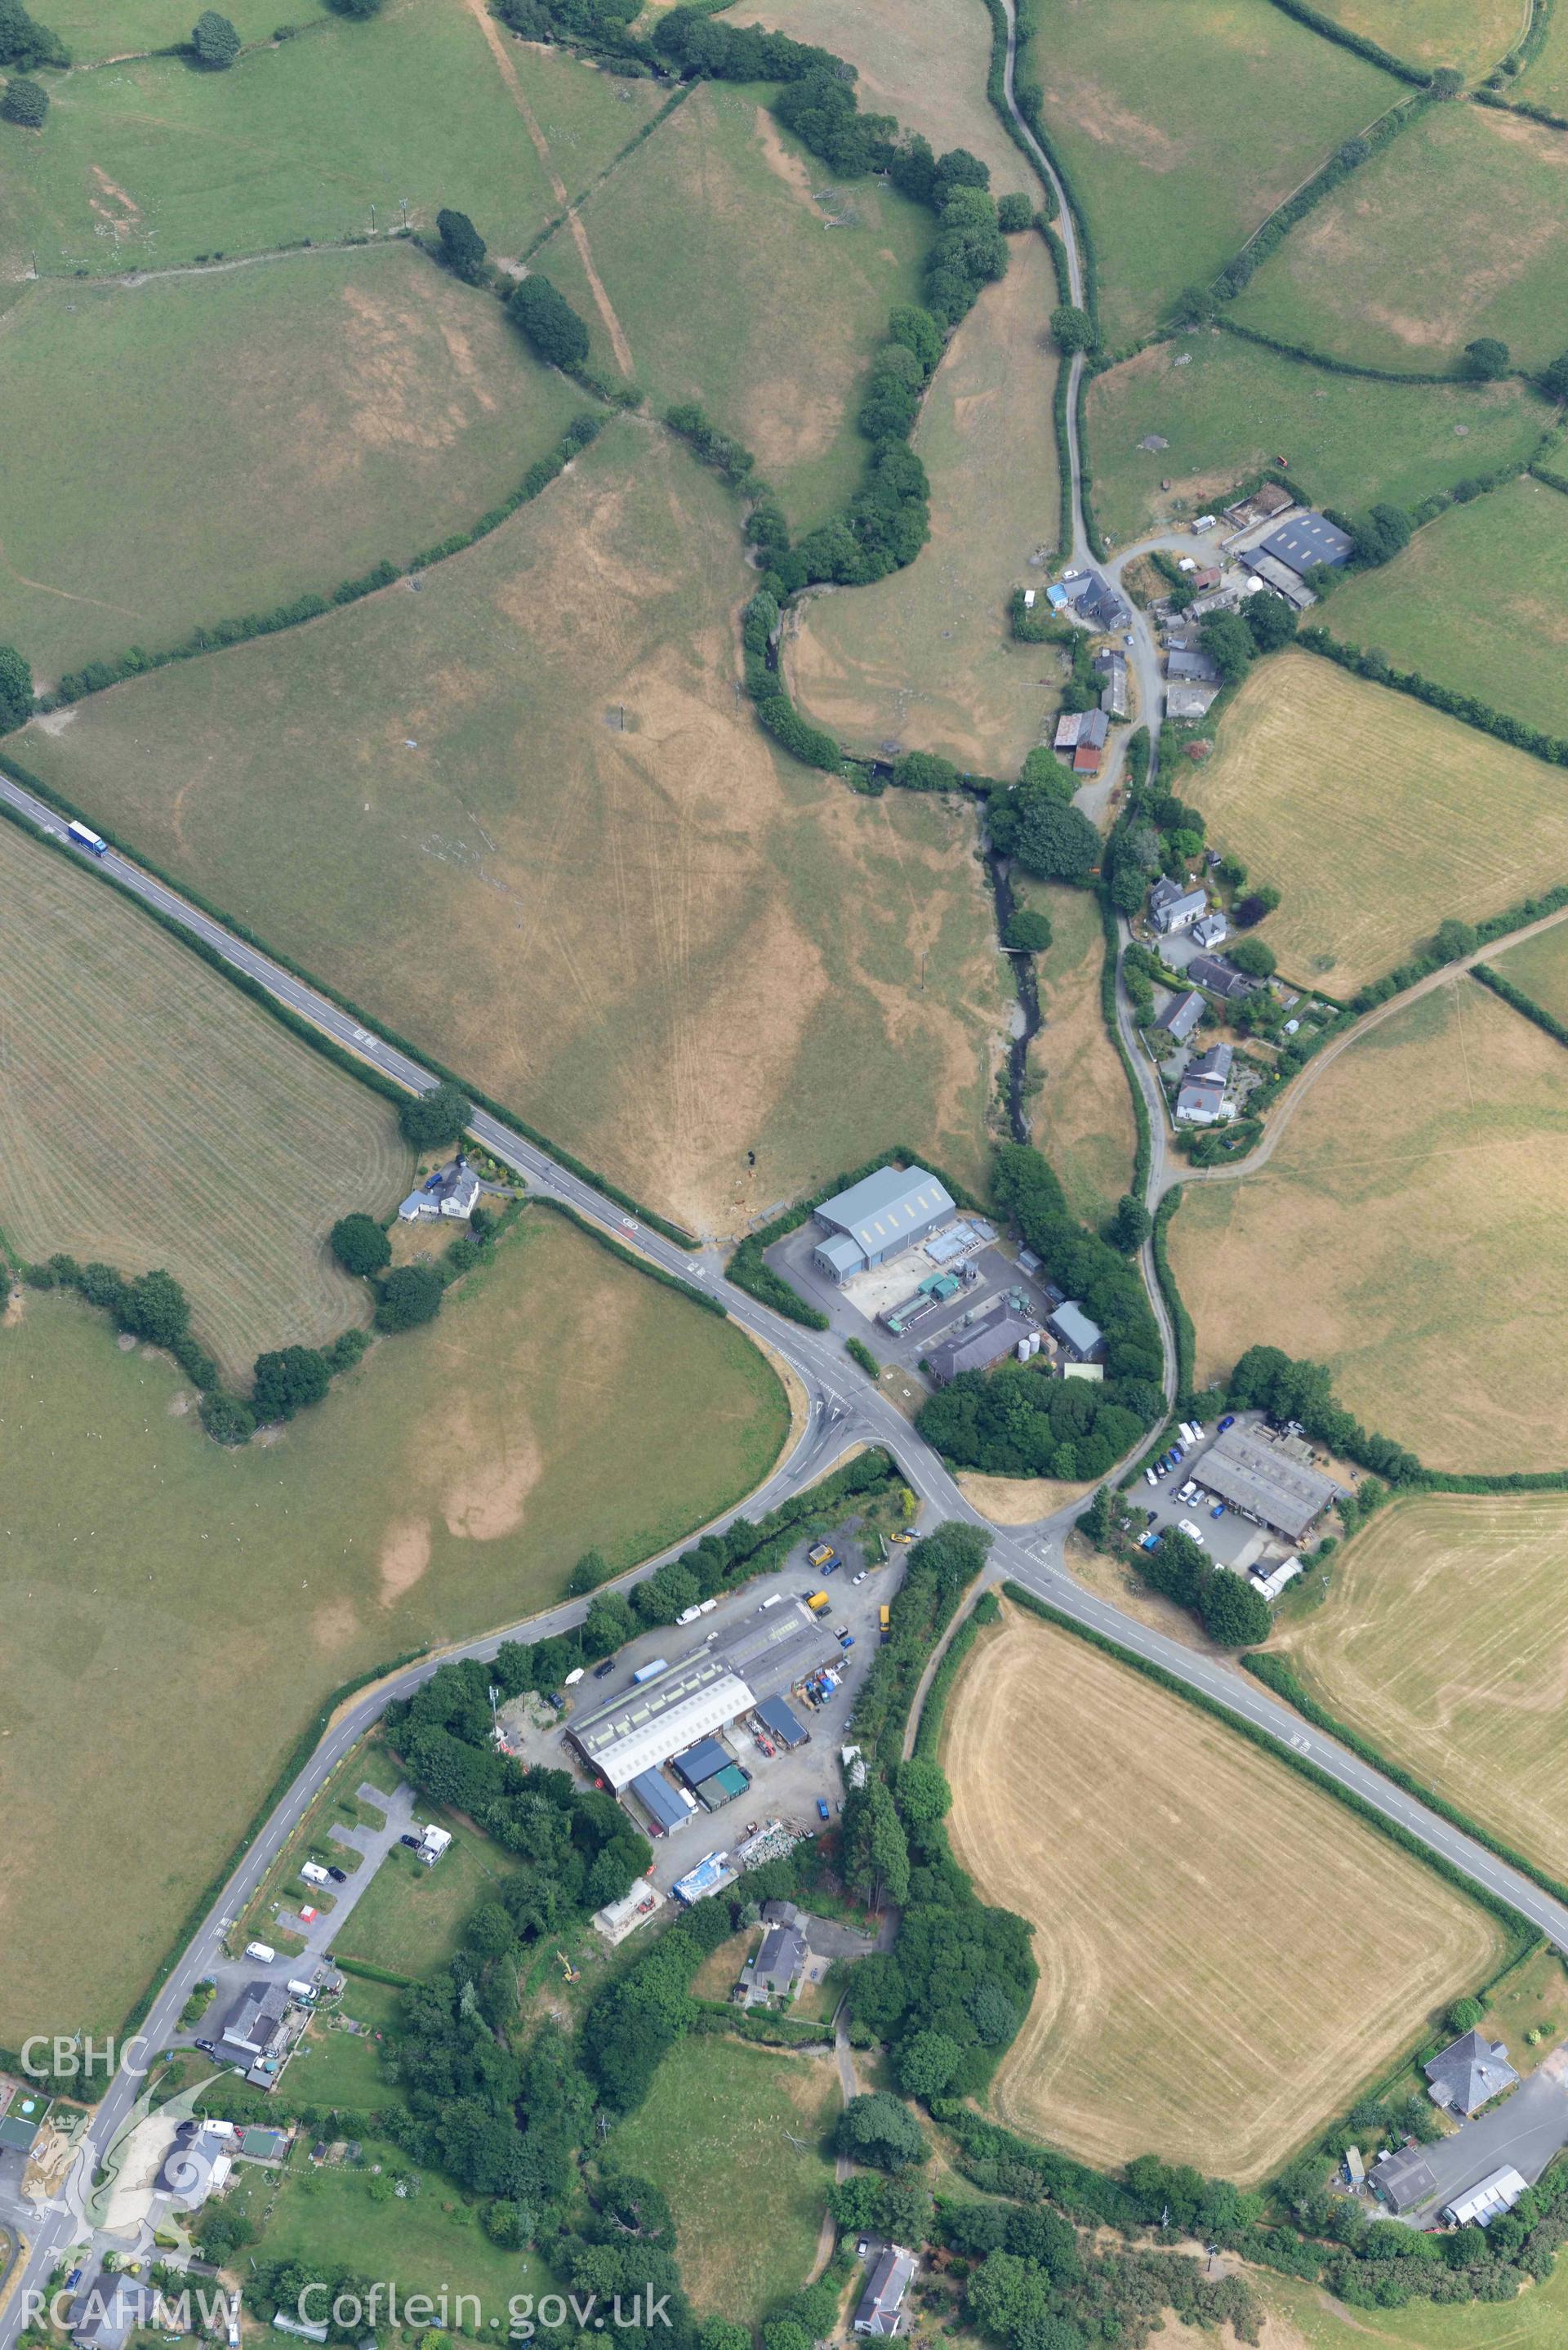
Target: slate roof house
x=1173, y=907
x=1097, y=601
x=452, y=1191
x=107, y=2313
x=1200, y=1098
x=1220, y=977
x=1468, y=2074
x=880, y=2310
x=779, y=1964
x=255, y=2020
x=1210, y=928
x=1195, y=668
x=1112, y=667
x=1181, y=1015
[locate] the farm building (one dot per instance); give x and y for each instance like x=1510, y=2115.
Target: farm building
x=644, y=1727
x=1262, y=506
x=1172, y=908
x=1264, y=1483
x=1083, y=732
x=107, y=2313
x=1488, y=2200
x=1112, y=667
x=1082, y=1338
x=1192, y=669
x=1190, y=700
x=1307, y=539
x=976, y=1348
x=1469, y=2072
x=1181, y=1016
x=1200, y=1096
x=701, y=1762
x=880, y=2310
x=666, y=1807
x=722, y=1787
x=451, y=1192
x=781, y=1723
x=1220, y=977
x=877, y=1218
x=1269, y=572
x=1404, y=2180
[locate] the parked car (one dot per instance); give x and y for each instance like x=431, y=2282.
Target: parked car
x=1217, y=1510
x=412, y=1842
x=1228, y=1421
x=822, y=1812
x=861, y=1576
x=208, y=2047
x=1152, y=1476
x=1149, y=1541
x=339, y=1875
x=602, y=1672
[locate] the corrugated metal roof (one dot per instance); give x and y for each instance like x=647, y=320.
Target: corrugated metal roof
x=659, y=1800
x=776, y=1716
x=1264, y=1483
x=639, y=1738
x=885, y=1207
x=1070, y=1322
x=699, y=1761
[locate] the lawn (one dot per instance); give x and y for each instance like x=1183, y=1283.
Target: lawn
x=155, y=163
x=1479, y=600
x=446, y=1486
x=712, y=246
x=717, y=2133
x=1469, y=34
x=1305, y=2318
x=410, y=1919
x=1409, y=1232
x=1443, y=1639
x=1083, y=1113
x=190, y=448
x=349, y=2069
x=924, y=659
x=1227, y=409
x=1183, y=125
x=1453, y=232
x=524, y=818
x=1191, y=1900
x=150, y=1116
x=1376, y=817
x=1540, y=968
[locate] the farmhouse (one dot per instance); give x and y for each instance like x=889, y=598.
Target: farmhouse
x=1200, y=1097
x=1097, y=601
x=880, y=2309
x=1082, y=1338
x=107, y=2313
x=451, y=1192
x=1220, y=977
x=975, y=1349
x=1172, y=908
x=877, y=1217
x=1469, y=2072
x=780, y=1962
x=1264, y=1483
x=1404, y=2180
x=1181, y=1016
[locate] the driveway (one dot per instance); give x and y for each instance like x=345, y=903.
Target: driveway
x=1526, y=2130
x=374, y=1844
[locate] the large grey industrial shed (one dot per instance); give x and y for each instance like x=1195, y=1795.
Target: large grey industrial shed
x=877, y=1217
x=1262, y=1481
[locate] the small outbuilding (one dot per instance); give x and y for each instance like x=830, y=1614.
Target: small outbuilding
x=1402, y=2181
x=778, y=1720
x=1083, y=1340
x=722, y=1788
x=1488, y=2200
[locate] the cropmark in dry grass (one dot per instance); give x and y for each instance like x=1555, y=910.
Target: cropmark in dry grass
x=150, y=1116
x=525, y=817
x=1191, y=1900
x=1445, y=1640
x=1411, y=1230
x=1377, y=817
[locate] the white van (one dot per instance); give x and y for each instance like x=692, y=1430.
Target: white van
x=304, y=1991
x=263, y=1953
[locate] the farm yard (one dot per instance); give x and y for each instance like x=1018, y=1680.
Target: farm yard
x=1451, y=233
x=1540, y=968
x=150, y=1116
x=924, y=658
x=1443, y=1640
x=197, y=447
x=1409, y=1230
x=446, y=1486
x=1084, y=1114
x=1191, y=1899
x=710, y=243
x=1227, y=409
x=1469, y=34
x=1183, y=127
x=716, y=2135
x=921, y=61
x=1377, y=817
x=1479, y=600
x=523, y=818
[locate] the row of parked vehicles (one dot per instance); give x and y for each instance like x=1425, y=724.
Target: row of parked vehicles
x=1190, y=1492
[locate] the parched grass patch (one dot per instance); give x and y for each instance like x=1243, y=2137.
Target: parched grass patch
x=1469, y=34
x=925, y=657
x=525, y=817
x=191, y=448
x=1083, y=1113
x=1230, y=408
x=152, y=163
x=1540, y=967
x=1375, y=816
x=718, y=2134
x=1445, y=1640
x=560, y=1402
x=922, y=61
x=150, y=1116
x=1183, y=125
x=1453, y=232
x=1409, y=1230
x=743, y=278
x=1479, y=600
x=1225, y=1952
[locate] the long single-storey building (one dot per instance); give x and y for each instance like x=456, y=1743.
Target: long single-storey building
x=644, y=1727
x=976, y=1348
x=1262, y=1482
x=878, y=1217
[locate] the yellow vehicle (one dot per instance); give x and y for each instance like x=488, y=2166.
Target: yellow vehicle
x=816, y=1601
x=885, y=1620
x=819, y=1555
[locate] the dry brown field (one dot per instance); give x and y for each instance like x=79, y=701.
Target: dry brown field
x=1191, y=1899
x=924, y=660
x=525, y=817
x=1375, y=816
x=1411, y=1230
x=1083, y=1114
x=923, y=61
x=1445, y=1639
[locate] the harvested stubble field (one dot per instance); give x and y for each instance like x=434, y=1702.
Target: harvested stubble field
x=1445, y=1640
x=1409, y=1230
x=525, y=817
x=1083, y=1112
x=924, y=658
x=1190, y=1899
x=715, y=2134
x=150, y=1116
x=1540, y=967
x=1377, y=817
x=152, y=163
x=190, y=448
x=448, y=1484
x=712, y=245
x=1479, y=600
x=1470, y=33
x=1183, y=125
x=922, y=61
x=1452, y=232
x=1230, y=409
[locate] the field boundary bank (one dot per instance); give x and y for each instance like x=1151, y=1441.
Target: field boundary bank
x=295, y=1022
x=1518, y=1001
x=1274, y=1669
x=1343, y=164
x=1344, y=39
x=1551, y=749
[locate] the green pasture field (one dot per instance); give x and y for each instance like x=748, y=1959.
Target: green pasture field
x=446, y=1485
x=1469, y=34
x=152, y=164
x=922, y=61
x=1307, y=2318
x=95, y=30
x=925, y=657
x=1375, y=816
x=150, y=1116
x=410, y=1919
x=1232, y=409
x=715, y=2134
x=1410, y=1231
x=525, y=817
x=1451, y=233
x=197, y=447
x=1540, y=967
x=350, y=2069
x=1183, y=125
x=1545, y=83
x=1479, y=600
x=713, y=245
x=1083, y=1114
